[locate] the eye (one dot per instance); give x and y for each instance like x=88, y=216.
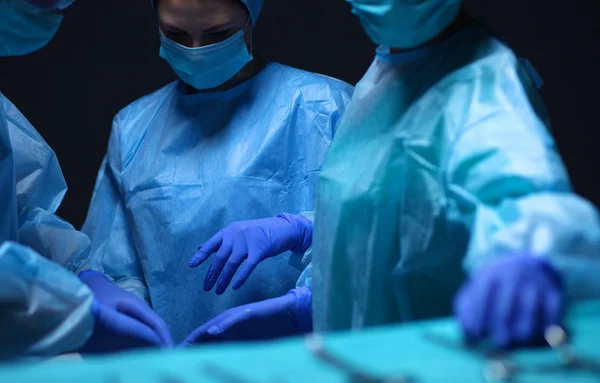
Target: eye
x=172, y=32
x=220, y=34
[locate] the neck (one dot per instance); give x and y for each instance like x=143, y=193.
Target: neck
x=250, y=70
x=460, y=22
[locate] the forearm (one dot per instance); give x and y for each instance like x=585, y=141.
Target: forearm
x=46, y=309
x=560, y=226
x=53, y=238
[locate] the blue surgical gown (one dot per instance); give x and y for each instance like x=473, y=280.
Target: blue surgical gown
x=180, y=167
x=442, y=162
x=46, y=310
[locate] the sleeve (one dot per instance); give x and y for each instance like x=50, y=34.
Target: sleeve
x=509, y=187
x=112, y=249
x=303, y=261
x=305, y=279
x=40, y=188
x=53, y=237
x=46, y=310
x=8, y=204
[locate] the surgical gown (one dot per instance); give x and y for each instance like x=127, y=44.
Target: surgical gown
x=45, y=309
x=442, y=162
x=180, y=167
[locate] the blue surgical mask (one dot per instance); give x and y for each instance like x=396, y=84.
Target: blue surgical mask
x=24, y=27
x=405, y=24
x=209, y=66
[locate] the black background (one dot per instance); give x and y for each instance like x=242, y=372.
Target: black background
x=105, y=55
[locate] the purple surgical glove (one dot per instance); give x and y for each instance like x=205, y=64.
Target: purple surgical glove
x=288, y=315
x=111, y=296
x=115, y=330
x=511, y=302
x=251, y=242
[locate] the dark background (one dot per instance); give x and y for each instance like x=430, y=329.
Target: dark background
x=106, y=55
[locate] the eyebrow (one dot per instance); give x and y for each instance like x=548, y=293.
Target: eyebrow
x=218, y=28
x=172, y=28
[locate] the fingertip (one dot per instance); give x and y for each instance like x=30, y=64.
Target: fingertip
x=220, y=289
x=470, y=330
x=554, y=309
x=469, y=337
x=239, y=282
x=165, y=337
x=190, y=340
x=206, y=286
x=244, y=274
x=463, y=308
x=194, y=261
x=225, y=279
x=470, y=316
x=197, y=259
x=459, y=301
x=209, y=281
x=169, y=342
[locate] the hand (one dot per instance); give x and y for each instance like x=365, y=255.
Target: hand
x=253, y=242
x=512, y=301
x=288, y=315
x=115, y=331
x=111, y=296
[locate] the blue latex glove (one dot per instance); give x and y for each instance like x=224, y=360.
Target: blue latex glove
x=288, y=315
x=511, y=302
x=252, y=242
x=111, y=296
x=115, y=330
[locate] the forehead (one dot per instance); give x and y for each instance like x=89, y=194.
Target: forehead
x=192, y=14
x=199, y=8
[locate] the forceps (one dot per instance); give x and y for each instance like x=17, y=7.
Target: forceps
x=567, y=360
x=315, y=345
x=226, y=376
x=500, y=367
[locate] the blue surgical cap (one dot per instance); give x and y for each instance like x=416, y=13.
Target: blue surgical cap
x=254, y=7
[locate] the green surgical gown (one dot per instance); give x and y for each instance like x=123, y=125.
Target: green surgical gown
x=442, y=162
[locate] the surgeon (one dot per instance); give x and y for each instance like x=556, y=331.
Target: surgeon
x=45, y=309
x=442, y=167
x=235, y=138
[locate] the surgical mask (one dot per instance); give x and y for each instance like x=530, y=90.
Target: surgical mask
x=405, y=24
x=208, y=66
x=25, y=28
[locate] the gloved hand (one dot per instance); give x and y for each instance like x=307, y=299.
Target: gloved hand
x=115, y=331
x=288, y=315
x=511, y=302
x=112, y=297
x=253, y=242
